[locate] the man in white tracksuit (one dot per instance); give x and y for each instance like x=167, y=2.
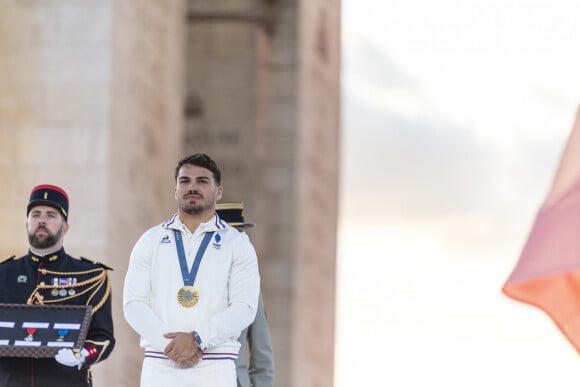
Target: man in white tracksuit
x=191, y=287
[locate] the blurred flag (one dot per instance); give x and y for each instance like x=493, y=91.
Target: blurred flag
x=547, y=274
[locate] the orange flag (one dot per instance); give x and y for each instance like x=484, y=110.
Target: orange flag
x=547, y=274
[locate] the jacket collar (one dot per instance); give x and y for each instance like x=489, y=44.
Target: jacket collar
x=214, y=224
x=47, y=258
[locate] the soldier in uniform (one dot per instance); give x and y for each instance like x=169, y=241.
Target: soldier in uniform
x=47, y=275
x=258, y=370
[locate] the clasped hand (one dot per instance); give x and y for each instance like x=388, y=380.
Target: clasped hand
x=182, y=349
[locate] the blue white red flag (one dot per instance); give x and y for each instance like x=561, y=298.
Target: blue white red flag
x=547, y=274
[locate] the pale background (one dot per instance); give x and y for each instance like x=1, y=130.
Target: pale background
x=455, y=113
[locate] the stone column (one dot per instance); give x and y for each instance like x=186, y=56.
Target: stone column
x=91, y=100
x=263, y=100
x=144, y=145
x=54, y=115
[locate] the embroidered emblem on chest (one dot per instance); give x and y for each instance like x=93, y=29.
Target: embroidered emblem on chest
x=216, y=244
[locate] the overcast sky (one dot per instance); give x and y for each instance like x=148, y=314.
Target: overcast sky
x=455, y=114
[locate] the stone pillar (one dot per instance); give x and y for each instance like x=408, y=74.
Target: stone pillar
x=54, y=115
x=316, y=196
x=263, y=100
x=144, y=144
x=91, y=100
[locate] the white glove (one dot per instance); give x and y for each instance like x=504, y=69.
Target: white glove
x=67, y=357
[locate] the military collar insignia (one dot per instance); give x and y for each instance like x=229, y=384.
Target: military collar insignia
x=51, y=258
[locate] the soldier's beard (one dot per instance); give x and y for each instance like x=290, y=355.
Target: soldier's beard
x=45, y=241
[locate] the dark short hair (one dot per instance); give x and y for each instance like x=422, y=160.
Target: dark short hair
x=201, y=160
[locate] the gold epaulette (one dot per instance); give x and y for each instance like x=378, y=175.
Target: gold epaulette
x=97, y=263
x=3, y=260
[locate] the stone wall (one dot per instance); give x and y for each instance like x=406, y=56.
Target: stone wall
x=316, y=199
x=102, y=97
x=54, y=115
x=92, y=96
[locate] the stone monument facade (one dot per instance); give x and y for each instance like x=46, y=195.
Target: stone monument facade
x=263, y=98
x=92, y=95
x=102, y=97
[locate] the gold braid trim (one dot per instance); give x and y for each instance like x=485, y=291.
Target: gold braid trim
x=105, y=296
x=93, y=284
x=37, y=296
x=46, y=271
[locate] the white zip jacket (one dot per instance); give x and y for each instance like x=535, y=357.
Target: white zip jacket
x=228, y=282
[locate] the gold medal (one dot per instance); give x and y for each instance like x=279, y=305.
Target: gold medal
x=188, y=296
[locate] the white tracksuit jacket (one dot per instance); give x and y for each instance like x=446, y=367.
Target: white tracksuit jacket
x=228, y=282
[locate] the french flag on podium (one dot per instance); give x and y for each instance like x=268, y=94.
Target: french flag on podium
x=547, y=274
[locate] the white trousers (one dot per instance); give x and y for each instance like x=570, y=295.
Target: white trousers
x=206, y=373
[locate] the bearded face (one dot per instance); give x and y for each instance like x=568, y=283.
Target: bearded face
x=196, y=191
x=42, y=238
x=45, y=228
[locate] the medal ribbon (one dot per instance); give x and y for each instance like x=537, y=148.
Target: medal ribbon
x=189, y=277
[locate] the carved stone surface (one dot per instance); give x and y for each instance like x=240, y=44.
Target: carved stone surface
x=102, y=97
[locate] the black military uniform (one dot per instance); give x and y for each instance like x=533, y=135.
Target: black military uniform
x=57, y=278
